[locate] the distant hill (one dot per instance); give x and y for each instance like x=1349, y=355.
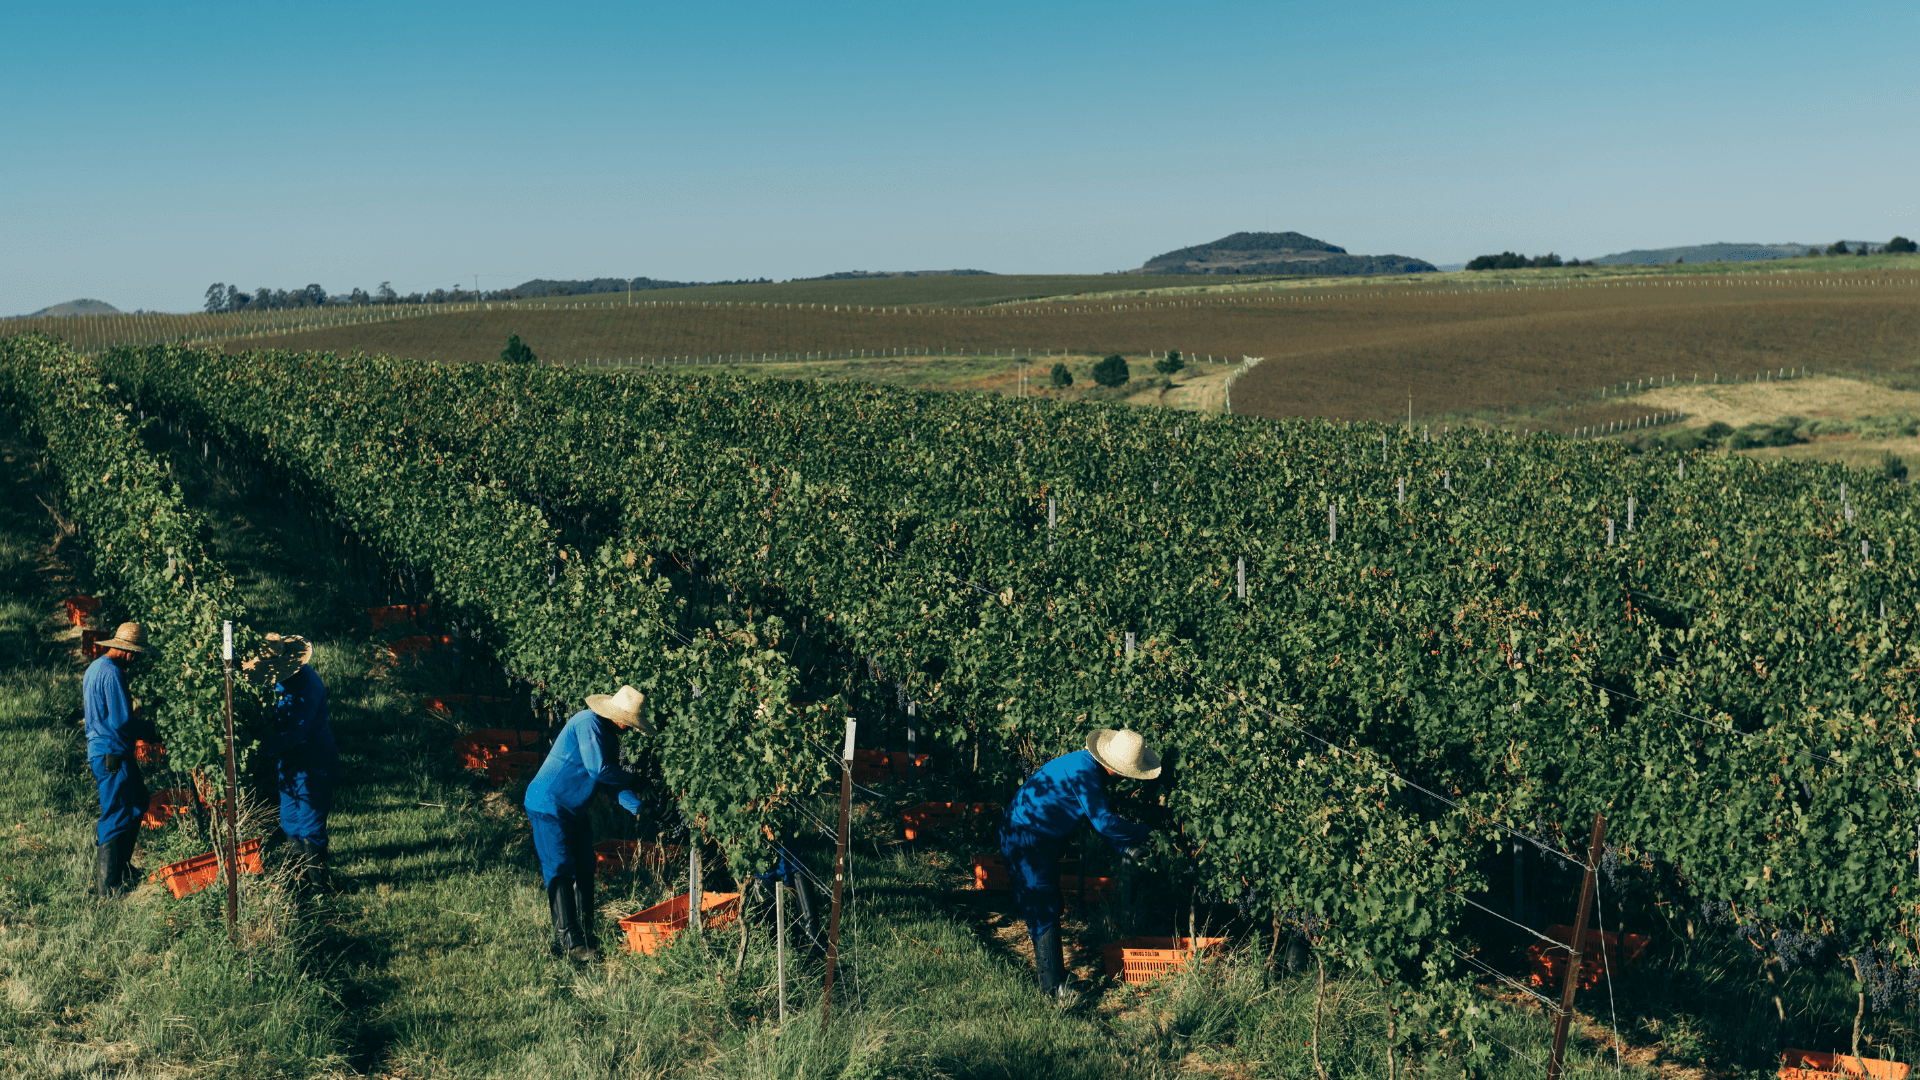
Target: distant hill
x=1277, y=253
x=75, y=307
x=1714, y=253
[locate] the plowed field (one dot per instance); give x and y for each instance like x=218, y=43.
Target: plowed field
x=1348, y=352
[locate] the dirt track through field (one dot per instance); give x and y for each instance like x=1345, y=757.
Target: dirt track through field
x=1350, y=352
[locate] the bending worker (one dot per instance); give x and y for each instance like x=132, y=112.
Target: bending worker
x=1061, y=794
x=584, y=758
x=111, y=730
x=302, y=749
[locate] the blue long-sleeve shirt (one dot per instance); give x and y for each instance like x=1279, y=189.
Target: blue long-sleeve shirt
x=1065, y=791
x=108, y=707
x=302, y=725
x=586, y=754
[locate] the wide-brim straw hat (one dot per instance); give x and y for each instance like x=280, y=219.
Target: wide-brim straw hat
x=280, y=657
x=1124, y=752
x=130, y=637
x=622, y=708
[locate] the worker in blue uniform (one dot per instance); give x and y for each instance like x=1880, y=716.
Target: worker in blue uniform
x=584, y=759
x=112, y=728
x=302, y=751
x=1056, y=798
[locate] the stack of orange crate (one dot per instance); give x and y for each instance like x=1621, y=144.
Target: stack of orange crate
x=1813, y=1065
x=477, y=749
x=1601, y=953
x=504, y=769
x=990, y=872
x=79, y=608
x=930, y=817
x=398, y=613
x=879, y=766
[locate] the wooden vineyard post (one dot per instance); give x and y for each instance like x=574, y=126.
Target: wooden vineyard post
x=839, y=874
x=1572, y=981
x=233, y=794
x=780, y=933
x=693, y=879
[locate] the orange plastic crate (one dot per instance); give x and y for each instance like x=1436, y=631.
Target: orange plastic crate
x=90, y=644
x=189, y=876
x=148, y=753
x=1140, y=960
x=506, y=768
x=444, y=704
x=396, y=614
x=477, y=749
x=166, y=805
x=1813, y=1065
x=930, y=817
x=650, y=930
x=79, y=607
x=1602, y=953
x=613, y=856
x=990, y=872
x=408, y=646
x=879, y=766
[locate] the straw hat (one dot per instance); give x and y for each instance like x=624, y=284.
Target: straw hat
x=1124, y=753
x=622, y=708
x=280, y=658
x=131, y=637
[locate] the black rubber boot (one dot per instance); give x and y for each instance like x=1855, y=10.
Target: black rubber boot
x=123, y=862
x=589, y=951
x=566, y=924
x=113, y=873
x=315, y=874
x=1049, y=959
x=106, y=873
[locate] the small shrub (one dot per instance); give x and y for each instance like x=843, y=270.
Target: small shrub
x=516, y=352
x=1061, y=377
x=1112, y=371
x=1716, y=431
x=1169, y=364
x=1781, y=432
x=1893, y=467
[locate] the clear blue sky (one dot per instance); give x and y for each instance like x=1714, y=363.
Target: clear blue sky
x=155, y=148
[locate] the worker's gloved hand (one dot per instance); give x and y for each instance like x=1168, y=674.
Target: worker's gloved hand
x=1130, y=858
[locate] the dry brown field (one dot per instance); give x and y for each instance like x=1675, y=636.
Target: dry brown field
x=1539, y=351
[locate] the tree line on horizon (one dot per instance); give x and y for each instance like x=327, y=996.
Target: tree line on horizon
x=1508, y=260
x=222, y=297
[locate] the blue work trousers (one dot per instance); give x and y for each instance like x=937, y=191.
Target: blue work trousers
x=565, y=847
x=306, y=796
x=1033, y=862
x=123, y=796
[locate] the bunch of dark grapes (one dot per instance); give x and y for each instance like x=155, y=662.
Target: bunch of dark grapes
x=1881, y=972
x=1796, y=947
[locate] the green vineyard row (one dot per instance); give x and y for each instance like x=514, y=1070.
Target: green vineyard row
x=1721, y=680
x=143, y=543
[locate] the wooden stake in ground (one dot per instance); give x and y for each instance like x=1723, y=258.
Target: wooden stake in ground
x=233, y=795
x=1572, y=982
x=839, y=873
x=780, y=935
